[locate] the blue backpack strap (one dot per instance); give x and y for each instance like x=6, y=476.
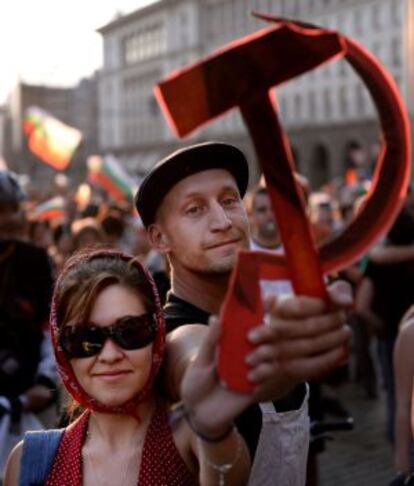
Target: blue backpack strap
x=39, y=451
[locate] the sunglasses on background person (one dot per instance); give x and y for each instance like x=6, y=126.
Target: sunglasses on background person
x=128, y=332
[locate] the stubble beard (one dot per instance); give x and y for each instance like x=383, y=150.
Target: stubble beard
x=221, y=268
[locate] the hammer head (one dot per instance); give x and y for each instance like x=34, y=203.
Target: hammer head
x=253, y=64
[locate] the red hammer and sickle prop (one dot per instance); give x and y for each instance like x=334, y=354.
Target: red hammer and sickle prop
x=242, y=75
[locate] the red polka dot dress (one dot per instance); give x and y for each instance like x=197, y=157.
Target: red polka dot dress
x=161, y=463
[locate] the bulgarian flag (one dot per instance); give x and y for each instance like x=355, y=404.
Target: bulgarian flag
x=50, y=139
x=51, y=209
x=109, y=174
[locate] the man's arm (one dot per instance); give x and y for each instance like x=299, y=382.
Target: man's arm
x=303, y=341
x=363, y=306
x=182, y=347
x=392, y=254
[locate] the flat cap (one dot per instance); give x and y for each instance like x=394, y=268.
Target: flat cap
x=184, y=163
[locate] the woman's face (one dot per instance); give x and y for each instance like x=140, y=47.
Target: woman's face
x=115, y=375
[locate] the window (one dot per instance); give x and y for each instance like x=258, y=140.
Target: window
x=399, y=82
x=342, y=68
x=396, y=54
x=327, y=103
x=153, y=106
x=312, y=105
x=343, y=101
x=341, y=22
x=396, y=11
x=297, y=106
x=144, y=44
x=282, y=105
x=376, y=49
x=360, y=99
x=183, y=19
x=357, y=22
x=375, y=13
x=296, y=7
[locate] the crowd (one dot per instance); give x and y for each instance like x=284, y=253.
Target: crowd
x=113, y=302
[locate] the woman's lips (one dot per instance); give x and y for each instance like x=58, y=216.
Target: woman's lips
x=112, y=375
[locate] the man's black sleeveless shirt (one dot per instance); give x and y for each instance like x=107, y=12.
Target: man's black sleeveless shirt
x=178, y=312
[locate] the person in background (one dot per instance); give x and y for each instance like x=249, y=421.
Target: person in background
x=62, y=247
x=114, y=228
x=404, y=378
x=263, y=227
x=27, y=368
x=40, y=233
x=87, y=233
x=384, y=295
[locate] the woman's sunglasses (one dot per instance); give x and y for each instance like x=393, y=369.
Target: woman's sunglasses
x=129, y=332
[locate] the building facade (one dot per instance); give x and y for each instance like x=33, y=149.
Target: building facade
x=325, y=112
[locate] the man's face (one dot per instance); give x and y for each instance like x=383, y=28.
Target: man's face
x=11, y=221
x=202, y=223
x=262, y=218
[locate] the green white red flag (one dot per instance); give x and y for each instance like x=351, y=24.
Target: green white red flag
x=107, y=172
x=51, y=140
x=51, y=209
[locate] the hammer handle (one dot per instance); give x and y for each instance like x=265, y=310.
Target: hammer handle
x=275, y=158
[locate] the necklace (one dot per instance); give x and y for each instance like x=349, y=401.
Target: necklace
x=130, y=461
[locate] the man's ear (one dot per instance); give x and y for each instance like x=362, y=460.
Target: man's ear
x=158, y=238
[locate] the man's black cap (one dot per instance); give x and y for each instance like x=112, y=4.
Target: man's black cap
x=184, y=163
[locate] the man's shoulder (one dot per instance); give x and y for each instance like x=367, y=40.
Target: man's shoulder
x=179, y=312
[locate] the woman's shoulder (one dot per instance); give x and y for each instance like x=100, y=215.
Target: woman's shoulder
x=12, y=469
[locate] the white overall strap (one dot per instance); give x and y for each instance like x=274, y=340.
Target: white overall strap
x=282, y=452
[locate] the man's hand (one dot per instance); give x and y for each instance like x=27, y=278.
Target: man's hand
x=302, y=340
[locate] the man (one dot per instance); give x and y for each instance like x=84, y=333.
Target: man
x=191, y=204
x=263, y=227
x=265, y=236
x=27, y=370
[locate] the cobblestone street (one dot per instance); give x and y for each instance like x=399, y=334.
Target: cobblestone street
x=362, y=456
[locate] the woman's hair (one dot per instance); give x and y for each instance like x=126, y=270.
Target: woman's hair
x=81, y=285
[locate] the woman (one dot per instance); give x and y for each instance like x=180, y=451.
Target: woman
x=109, y=338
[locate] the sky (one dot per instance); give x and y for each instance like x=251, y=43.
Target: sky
x=53, y=42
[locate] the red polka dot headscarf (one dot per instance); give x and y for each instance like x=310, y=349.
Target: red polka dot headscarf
x=65, y=369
